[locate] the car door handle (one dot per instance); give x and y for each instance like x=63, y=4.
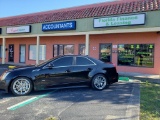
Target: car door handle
x=67, y=71
x=89, y=69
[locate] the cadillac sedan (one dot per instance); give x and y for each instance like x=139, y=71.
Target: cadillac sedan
x=62, y=71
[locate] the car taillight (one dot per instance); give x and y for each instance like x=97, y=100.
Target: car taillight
x=112, y=64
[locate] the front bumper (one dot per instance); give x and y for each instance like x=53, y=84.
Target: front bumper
x=2, y=85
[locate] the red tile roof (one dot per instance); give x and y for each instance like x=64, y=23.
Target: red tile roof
x=87, y=11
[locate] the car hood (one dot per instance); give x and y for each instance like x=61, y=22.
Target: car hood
x=23, y=67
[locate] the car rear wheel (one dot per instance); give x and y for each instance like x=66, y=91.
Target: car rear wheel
x=21, y=86
x=99, y=82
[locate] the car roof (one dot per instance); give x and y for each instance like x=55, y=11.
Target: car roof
x=60, y=56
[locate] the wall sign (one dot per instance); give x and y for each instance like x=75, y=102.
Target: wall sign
x=0, y=30
x=20, y=29
x=68, y=25
x=114, y=46
x=125, y=20
x=11, y=53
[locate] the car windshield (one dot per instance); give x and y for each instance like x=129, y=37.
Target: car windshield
x=47, y=61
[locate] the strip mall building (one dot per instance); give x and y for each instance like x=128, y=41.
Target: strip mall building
x=126, y=33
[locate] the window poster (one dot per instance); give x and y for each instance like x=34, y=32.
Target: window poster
x=11, y=53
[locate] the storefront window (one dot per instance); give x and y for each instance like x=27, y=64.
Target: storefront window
x=32, y=52
x=63, y=50
x=55, y=51
x=136, y=55
x=82, y=49
x=68, y=49
x=0, y=51
x=60, y=50
x=105, y=52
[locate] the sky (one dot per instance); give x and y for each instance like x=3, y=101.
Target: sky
x=19, y=7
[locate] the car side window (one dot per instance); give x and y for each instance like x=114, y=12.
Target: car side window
x=64, y=61
x=83, y=61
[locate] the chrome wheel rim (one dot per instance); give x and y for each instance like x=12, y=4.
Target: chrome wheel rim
x=100, y=82
x=21, y=86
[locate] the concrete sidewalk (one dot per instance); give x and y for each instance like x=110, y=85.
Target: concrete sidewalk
x=141, y=76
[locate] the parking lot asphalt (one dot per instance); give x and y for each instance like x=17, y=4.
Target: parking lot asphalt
x=121, y=101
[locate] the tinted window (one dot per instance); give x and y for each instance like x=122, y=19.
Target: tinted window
x=65, y=61
x=83, y=61
x=105, y=52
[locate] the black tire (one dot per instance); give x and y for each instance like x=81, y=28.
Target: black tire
x=99, y=82
x=21, y=86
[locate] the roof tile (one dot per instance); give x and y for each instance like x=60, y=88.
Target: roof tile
x=87, y=11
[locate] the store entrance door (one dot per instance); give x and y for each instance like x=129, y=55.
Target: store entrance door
x=22, y=54
x=105, y=52
x=11, y=53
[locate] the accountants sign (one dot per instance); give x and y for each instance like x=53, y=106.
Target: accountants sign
x=67, y=25
x=125, y=20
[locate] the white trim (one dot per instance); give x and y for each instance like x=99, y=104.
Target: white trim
x=153, y=29
x=3, y=50
x=37, y=50
x=87, y=45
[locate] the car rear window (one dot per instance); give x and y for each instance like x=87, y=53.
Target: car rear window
x=83, y=61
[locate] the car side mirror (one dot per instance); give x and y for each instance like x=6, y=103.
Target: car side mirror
x=50, y=65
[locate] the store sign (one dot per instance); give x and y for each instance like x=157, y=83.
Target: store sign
x=0, y=30
x=68, y=25
x=21, y=29
x=125, y=20
x=11, y=53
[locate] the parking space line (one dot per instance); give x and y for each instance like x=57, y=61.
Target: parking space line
x=26, y=102
x=5, y=100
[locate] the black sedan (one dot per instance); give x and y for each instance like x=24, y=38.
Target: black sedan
x=62, y=71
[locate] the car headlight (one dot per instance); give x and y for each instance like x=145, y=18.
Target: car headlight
x=4, y=75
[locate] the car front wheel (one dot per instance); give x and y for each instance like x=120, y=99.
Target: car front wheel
x=99, y=82
x=21, y=86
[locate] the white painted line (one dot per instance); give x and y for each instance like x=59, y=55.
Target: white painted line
x=3, y=101
x=26, y=102
x=21, y=103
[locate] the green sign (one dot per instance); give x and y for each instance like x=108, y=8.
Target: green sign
x=137, y=46
x=137, y=19
x=132, y=46
x=150, y=46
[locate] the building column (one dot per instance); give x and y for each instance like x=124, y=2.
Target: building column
x=3, y=50
x=87, y=44
x=37, y=50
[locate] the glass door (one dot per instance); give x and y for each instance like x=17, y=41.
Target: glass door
x=105, y=52
x=22, y=54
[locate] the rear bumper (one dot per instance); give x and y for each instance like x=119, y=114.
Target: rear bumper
x=114, y=78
